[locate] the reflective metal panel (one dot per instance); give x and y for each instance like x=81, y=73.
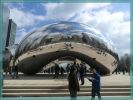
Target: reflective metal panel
x=59, y=34
x=63, y=32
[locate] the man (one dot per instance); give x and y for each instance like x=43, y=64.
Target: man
x=68, y=68
x=62, y=71
x=95, y=79
x=57, y=69
x=82, y=73
x=15, y=71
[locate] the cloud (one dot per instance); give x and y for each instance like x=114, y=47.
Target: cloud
x=24, y=18
x=66, y=10
x=114, y=25
x=111, y=24
x=14, y=5
x=22, y=33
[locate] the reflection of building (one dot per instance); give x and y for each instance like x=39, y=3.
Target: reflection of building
x=63, y=39
x=9, y=29
x=11, y=33
x=6, y=14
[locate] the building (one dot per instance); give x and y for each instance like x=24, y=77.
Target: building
x=9, y=33
x=6, y=13
x=9, y=28
x=10, y=40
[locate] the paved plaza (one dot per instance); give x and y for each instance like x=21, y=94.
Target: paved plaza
x=43, y=85
x=44, y=79
x=67, y=98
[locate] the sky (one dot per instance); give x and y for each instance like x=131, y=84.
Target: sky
x=111, y=19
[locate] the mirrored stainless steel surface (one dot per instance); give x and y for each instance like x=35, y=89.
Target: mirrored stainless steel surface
x=56, y=40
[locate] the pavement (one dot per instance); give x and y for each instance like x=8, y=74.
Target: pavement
x=47, y=80
x=67, y=98
x=43, y=85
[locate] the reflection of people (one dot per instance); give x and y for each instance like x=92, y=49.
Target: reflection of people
x=73, y=84
x=95, y=79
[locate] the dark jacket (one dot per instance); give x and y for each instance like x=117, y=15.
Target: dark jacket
x=82, y=71
x=15, y=68
x=73, y=81
x=96, y=82
x=57, y=68
x=62, y=70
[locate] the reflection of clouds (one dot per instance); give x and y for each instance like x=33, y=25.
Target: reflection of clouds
x=61, y=26
x=64, y=31
x=55, y=34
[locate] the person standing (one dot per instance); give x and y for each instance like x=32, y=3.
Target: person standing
x=82, y=73
x=68, y=68
x=15, y=71
x=96, y=86
x=52, y=70
x=57, y=69
x=78, y=71
x=62, y=71
x=7, y=70
x=73, y=84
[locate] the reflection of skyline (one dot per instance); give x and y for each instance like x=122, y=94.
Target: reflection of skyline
x=54, y=34
x=41, y=47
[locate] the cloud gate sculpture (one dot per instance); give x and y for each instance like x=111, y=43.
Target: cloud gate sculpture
x=57, y=40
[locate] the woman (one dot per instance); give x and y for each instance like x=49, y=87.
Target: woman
x=73, y=84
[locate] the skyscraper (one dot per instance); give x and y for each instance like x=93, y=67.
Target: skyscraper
x=11, y=33
x=6, y=13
